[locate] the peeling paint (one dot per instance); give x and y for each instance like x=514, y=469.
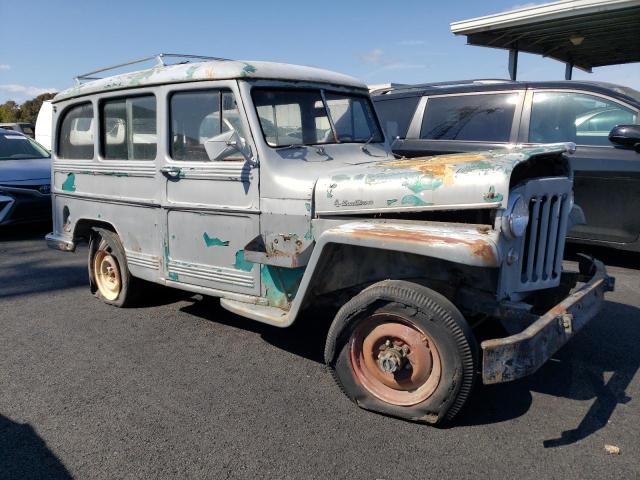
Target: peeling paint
x=241, y=263
x=214, y=242
x=280, y=284
x=413, y=200
x=422, y=183
x=69, y=185
x=307, y=206
x=492, y=196
x=165, y=256
x=330, y=190
x=392, y=201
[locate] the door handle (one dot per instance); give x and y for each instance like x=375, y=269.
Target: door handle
x=173, y=172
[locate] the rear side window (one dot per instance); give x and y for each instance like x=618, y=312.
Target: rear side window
x=575, y=117
x=198, y=116
x=396, y=115
x=129, y=128
x=484, y=118
x=75, y=137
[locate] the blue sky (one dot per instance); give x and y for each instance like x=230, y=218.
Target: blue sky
x=406, y=42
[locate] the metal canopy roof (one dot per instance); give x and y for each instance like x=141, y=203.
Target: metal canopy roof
x=581, y=33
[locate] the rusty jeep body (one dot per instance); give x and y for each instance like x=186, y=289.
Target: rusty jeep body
x=273, y=188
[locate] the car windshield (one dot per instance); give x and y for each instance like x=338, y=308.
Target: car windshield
x=14, y=146
x=314, y=116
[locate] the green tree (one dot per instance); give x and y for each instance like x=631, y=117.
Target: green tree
x=29, y=109
x=9, y=112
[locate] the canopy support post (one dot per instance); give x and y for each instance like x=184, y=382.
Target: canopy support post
x=513, y=63
x=568, y=70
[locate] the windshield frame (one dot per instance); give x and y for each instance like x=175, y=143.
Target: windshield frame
x=322, y=91
x=37, y=147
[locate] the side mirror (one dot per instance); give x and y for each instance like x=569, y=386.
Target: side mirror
x=223, y=145
x=626, y=136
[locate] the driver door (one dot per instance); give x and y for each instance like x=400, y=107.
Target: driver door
x=211, y=205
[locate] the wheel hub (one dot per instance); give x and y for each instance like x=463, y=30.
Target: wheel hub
x=395, y=360
x=391, y=357
x=107, y=274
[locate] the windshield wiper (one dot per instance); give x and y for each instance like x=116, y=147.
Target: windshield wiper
x=364, y=148
x=288, y=147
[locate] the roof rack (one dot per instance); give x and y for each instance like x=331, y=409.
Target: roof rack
x=159, y=58
x=453, y=83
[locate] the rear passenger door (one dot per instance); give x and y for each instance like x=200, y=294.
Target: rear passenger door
x=212, y=205
x=462, y=122
x=607, y=178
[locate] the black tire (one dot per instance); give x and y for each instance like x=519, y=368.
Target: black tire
x=103, y=239
x=430, y=313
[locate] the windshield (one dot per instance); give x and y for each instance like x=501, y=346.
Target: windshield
x=310, y=117
x=14, y=146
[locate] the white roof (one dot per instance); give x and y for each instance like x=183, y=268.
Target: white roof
x=210, y=70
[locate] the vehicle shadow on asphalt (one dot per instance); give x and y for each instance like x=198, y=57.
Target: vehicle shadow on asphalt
x=24, y=454
x=608, y=256
x=305, y=338
x=598, y=364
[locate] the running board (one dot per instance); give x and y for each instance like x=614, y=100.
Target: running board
x=261, y=313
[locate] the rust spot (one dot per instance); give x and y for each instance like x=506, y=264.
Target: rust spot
x=479, y=248
x=441, y=167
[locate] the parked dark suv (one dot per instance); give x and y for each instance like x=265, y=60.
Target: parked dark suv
x=487, y=114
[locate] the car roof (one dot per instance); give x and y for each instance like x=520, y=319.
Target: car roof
x=209, y=70
x=483, y=85
x=10, y=132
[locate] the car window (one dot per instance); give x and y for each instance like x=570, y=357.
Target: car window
x=75, y=134
x=197, y=116
x=396, y=115
x=302, y=117
x=15, y=146
x=575, y=117
x=129, y=128
x=484, y=117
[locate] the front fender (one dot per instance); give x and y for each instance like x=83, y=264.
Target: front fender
x=473, y=245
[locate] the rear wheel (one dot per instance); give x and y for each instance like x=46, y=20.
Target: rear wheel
x=109, y=276
x=404, y=350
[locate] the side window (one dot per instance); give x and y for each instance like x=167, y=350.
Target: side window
x=485, y=118
x=198, y=116
x=396, y=115
x=129, y=128
x=75, y=133
x=575, y=117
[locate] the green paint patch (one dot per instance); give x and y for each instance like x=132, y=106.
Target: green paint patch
x=492, y=196
x=360, y=176
x=340, y=178
x=190, y=71
x=248, y=69
x=241, y=263
x=330, y=191
x=391, y=201
x=69, y=185
x=165, y=255
x=308, y=235
x=413, y=200
x=280, y=284
x=307, y=206
x=422, y=183
x=214, y=242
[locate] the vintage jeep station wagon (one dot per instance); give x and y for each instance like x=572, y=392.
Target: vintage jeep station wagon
x=272, y=187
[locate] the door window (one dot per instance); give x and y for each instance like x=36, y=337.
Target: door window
x=75, y=137
x=198, y=116
x=483, y=118
x=575, y=117
x=129, y=128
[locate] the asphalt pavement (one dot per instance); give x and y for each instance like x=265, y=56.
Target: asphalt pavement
x=180, y=388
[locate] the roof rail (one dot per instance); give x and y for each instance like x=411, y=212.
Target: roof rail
x=452, y=83
x=159, y=58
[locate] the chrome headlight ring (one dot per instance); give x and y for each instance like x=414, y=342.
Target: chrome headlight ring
x=517, y=218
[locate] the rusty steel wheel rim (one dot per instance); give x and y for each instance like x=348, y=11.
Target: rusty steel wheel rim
x=107, y=274
x=394, y=360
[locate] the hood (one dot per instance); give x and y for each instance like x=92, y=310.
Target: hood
x=444, y=182
x=35, y=171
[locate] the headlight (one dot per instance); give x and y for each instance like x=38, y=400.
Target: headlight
x=518, y=218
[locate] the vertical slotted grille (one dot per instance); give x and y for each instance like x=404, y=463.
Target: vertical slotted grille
x=544, y=245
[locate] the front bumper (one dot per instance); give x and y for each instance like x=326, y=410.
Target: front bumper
x=510, y=358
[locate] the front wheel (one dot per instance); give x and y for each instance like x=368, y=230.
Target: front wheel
x=404, y=350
